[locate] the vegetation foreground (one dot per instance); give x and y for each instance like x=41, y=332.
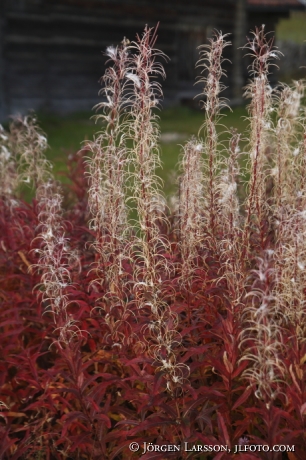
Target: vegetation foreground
x=135, y=329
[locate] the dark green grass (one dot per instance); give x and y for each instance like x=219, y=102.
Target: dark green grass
x=66, y=135
x=292, y=29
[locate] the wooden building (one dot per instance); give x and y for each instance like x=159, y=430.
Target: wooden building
x=51, y=50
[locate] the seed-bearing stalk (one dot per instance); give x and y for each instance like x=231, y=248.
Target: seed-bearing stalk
x=56, y=260
x=263, y=316
x=211, y=59
x=262, y=335
x=191, y=209
x=290, y=243
x=289, y=204
x=260, y=92
x=31, y=144
x=151, y=268
x=144, y=155
x=230, y=220
x=8, y=167
x=107, y=174
x=288, y=115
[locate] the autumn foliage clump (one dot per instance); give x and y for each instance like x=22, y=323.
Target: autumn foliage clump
x=123, y=322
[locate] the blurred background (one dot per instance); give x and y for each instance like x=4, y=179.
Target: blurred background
x=51, y=58
x=51, y=50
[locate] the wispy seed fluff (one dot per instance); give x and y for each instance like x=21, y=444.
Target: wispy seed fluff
x=191, y=209
x=56, y=260
x=107, y=170
x=8, y=166
x=229, y=221
x=211, y=59
x=262, y=336
x=260, y=92
x=31, y=145
x=151, y=267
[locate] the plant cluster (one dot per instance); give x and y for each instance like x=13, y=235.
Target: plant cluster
x=124, y=322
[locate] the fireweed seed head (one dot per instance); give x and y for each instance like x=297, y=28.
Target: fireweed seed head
x=31, y=144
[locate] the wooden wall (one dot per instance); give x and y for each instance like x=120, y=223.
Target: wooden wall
x=51, y=51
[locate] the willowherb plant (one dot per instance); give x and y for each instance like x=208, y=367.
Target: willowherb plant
x=259, y=90
x=227, y=187
x=288, y=115
x=291, y=253
x=31, y=145
x=263, y=332
x=22, y=154
x=108, y=177
x=151, y=266
x=8, y=169
x=230, y=220
x=56, y=260
x=211, y=59
x=144, y=95
x=191, y=210
x=290, y=288
x=289, y=203
x=262, y=319
x=199, y=203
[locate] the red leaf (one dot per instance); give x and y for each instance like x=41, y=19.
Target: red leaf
x=248, y=391
x=223, y=429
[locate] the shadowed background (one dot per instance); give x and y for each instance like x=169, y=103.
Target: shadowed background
x=51, y=59
x=51, y=50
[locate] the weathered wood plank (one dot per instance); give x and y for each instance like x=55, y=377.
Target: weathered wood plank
x=52, y=51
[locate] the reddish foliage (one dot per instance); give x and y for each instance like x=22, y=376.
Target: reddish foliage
x=91, y=399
